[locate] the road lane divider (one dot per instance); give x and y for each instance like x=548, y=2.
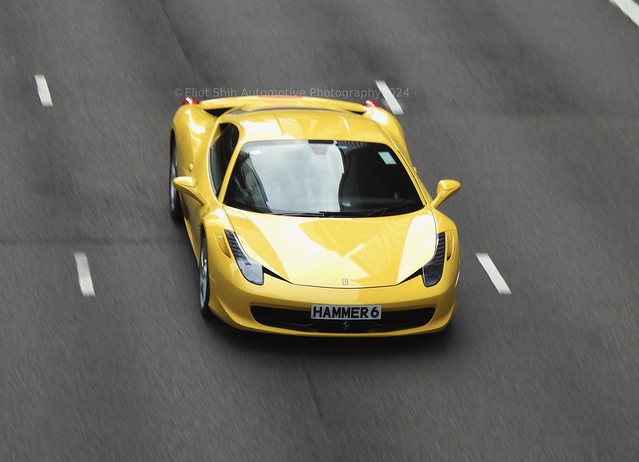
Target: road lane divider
x=84, y=274
x=43, y=90
x=629, y=8
x=392, y=102
x=493, y=273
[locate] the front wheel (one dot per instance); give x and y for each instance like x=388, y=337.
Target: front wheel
x=175, y=206
x=205, y=289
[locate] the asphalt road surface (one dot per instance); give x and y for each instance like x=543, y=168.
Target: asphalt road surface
x=533, y=106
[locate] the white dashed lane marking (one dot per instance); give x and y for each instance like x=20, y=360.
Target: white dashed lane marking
x=84, y=274
x=493, y=273
x=629, y=8
x=43, y=90
x=392, y=102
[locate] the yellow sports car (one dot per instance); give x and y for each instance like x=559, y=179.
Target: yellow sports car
x=307, y=217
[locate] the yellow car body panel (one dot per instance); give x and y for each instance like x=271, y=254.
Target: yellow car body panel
x=369, y=252
x=307, y=261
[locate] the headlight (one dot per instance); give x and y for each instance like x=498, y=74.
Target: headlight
x=432, y=271
x=249, y=268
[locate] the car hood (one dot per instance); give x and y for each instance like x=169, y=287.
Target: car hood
x=338, y=252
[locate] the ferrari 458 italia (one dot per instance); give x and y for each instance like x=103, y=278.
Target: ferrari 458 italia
x=307, y=217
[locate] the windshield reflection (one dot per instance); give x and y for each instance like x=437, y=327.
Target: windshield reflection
x=321, y=178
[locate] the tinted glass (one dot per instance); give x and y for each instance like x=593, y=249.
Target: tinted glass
x=325, y=178
x=221, y=152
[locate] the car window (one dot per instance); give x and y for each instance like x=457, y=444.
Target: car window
x=328, y=178
x=221, y=152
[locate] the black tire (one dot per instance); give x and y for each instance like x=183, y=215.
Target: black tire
x=204, y=292
x=175, y=207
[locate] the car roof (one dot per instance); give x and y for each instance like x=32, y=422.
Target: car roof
x=291, y=123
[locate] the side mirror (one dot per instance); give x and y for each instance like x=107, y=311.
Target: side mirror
x=445, y=189
x=188, y=186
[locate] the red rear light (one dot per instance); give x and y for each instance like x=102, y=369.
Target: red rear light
x=189, y=100
x=371, y=103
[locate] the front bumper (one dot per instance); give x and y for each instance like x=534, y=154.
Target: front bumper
x=233, y=297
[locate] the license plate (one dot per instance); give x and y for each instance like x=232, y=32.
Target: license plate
x=350, y=313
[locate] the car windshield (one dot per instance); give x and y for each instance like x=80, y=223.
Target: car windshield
x=321, y=178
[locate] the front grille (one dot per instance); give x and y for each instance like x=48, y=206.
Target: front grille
x=301, y=320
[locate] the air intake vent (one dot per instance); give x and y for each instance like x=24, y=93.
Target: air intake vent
x=218, y=112
x=301, y=320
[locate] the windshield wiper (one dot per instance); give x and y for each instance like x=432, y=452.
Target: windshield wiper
x=407, y=206
x=403, y=206
x=322, y=214
x=300, y=214
x=343, y=213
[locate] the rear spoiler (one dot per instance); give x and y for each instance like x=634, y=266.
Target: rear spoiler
x=219, y=106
